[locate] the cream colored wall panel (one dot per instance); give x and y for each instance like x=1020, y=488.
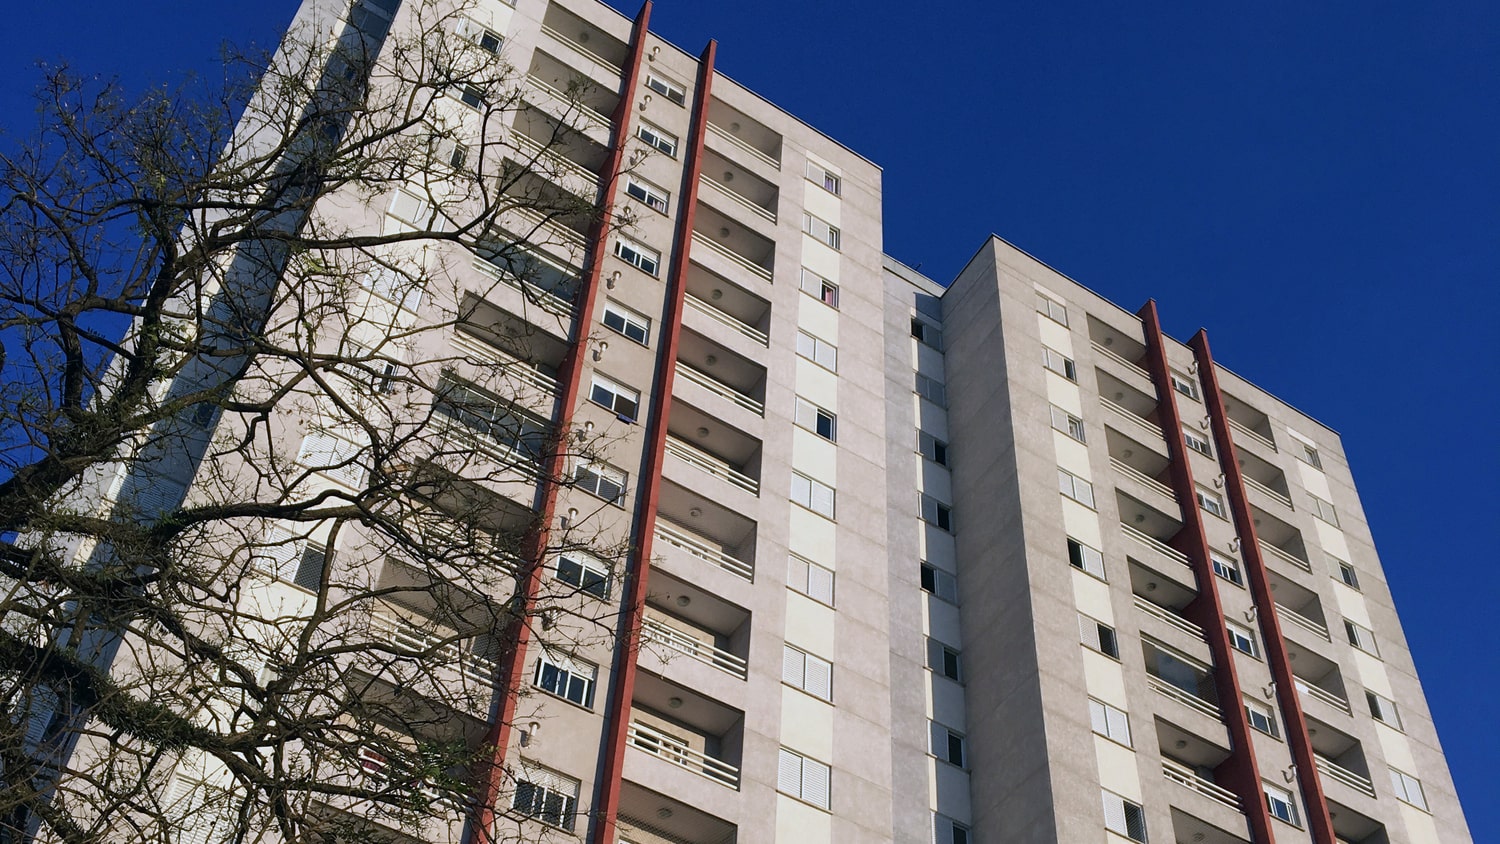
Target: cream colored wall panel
x=945, y=702
x=929, y=361
x=817, y=385
x=806, y=723
x=1330, y=537
x=812, y=536
x=934, y=480
x=952, y=786
x=1366, y=665
x=930, y=417
x=1079, y=521
x=1091, y=595
x=1313, y=481
x=941, y=620
x=1397, y=750
x=809, y=624
x=799, y=823
x=937, y=546
x=1072, y=454
x=1351, y=605
x=1103, y=677
x=1065, y=394
x=818, y=319
x=1420, y=827
x=819, y=258
x=1118, y=770
x=814, y=456
x=821, y=203
x=1058, y=337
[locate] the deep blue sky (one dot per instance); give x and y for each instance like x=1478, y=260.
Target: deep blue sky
x=1316, y=183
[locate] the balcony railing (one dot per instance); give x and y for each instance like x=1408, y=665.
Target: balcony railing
x=655, y=631
x=1183, y=697
x=706, y=462
x=567, y=101
x=744, y=328
x=714, y=385
x=1155, y=544
x=696, y=547
x=470, y=345
x=740, y=200
x=401, y=633
x=747, y=148
x=1240, y=427
x=1183, y=775
x=1257, y=485
x=588, y=179
x=1322, y=694
x=1344, y=775
x=543, y=297
x=672, y=749
x=478, y=544
x=456, y=434
x=1285, y=556
x=1134, y=417
x=1141, y=478
x=1131, y=367
x=1303, y=621
x=582, y=50
x=731, y=255
x=376, y=767
x=1157, y=611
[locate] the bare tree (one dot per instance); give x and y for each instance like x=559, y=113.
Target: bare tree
x=279, y=406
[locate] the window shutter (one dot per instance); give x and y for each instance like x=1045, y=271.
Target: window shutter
x=279, y=553
x=1098, y=718
x=1119, y=725
x=802, y=490
x=792, y=662
x=818, y=677
x=1114, y=814
x=822, y=499
x=820, y=584
x=333, y=455
x=1088, y=632
x=789, y=773
x=310, y=564
x=815, y=776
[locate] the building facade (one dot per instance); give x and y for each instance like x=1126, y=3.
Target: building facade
x=984, y=562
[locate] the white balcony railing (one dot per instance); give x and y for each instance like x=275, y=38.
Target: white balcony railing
x=1335, y=771
x=1285, y=556
x=1302, y=621
x=703, y=551
x=721, y=316
x=586, y=180
x=1322, y=694
x=656, y=631
x=527, y=374
x=1183, y=775
x=1160, y=612
x=546, y=299
x=706, y=462
x=1240, y=427
x=1188, y=699
x=714, y=385
x=582, y=50
x=1141, y=478
x=745, y=147
x=567, y=102
x=1155, y=544
x=457, y=435
x=400, y=633
x=479, y=544
x=739, y=200
x=731, y=256
x=672, y=749
x=1129, y=366
x=376, y=767
x=1262, y=488
x=1134, y=417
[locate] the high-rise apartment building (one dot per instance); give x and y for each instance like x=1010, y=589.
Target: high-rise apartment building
x=990, y=562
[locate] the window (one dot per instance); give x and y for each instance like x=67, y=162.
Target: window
x=1185, y=386
x=818, y=350
x=1241, y=639
x=295, y=559
x=1408, y=789
x=932, y=448
x=334, y=453
x=601, y=479
x=824, y=178
x=1085, y=559
x=589, y=575
x=821, y=231
x=1323, y=510
x=926, y=332
x=931, y=389
x=1110, y=722
x=546, y=796
x=1308, y=454
x=495, y=422
x=947, y=745
x=820, y=288
x=945, y=830
x=1063, y=366
x=410, y=208
x=815, y=496
x=1197, y=443
x=1123, y=817
x=667, y=88
x=654, y=197
x=568, y=678
x=1098, y=636
x=471, y=96
x=1280, y=804
x=810, y=579
x=1348, y=575
x=1361, y=638
x=939, y=583
x=638, y=255
x=1226, y=568
x=936, y=513
x=1075, y=488
x=816, y=419
x=1068, y=423
x=1211, y=502
x=1383, y=709
x=458, y=156
x=1051, y=308
x=623, y=320
x=804, y=671
x=480, y=37
x=657, y=138
x=625, y=402
x=803, y=778
x=944, y=660
x=1261, y=718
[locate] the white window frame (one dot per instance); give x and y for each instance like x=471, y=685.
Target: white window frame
x=649, y=195
x=597, y=477
x=1361, y=637
x=1197, y=443
x=806, y=672
x=1076, y=488
x=675, y=92
x=1308, y=453
x=822, y=231
x=931, y=389
x=1098, y=636
x=935, y=581
x=946, y=830
x=813, y=418
x=804, y=778
x=926, y=333
x=575, y=677
x=629, y=321
x=657, y=138
x=1281, y=804
x=1110, y=722
x=1051, y=308
x=818, y=350
x=1221, y=564
x=942, y=657
x=1408, y=789
x=933, y=448
x=819, y=288
x=472, y=96
x=548, y=789
x=1324, y=510
x=1060, y=363
x=479, y=35
x=814, y=495
x=1348, y=574
x=1384, y=710
x=638, y=255
x=936, y=513
x=1124, y=817
x=1242, y=639
x=824, y=178
x=944, y=743
x=1086, y=559
x=617, y=392
x=593, y=575
x=808, y=578
x=1185, y=385
x=1068, y=424
x=1211, y=502
x=1262, y=718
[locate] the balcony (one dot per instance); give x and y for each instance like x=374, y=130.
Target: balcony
x=704, y=531
x=574, y=98
x=685, y=729
x=649, y=817
x=1153, y=530
x=587, y=40
x=1169, y=617
x=712, y=367
x=1340, y=774
x=1177, y=676
x=1140, y=465
x=547, y=160
x=1264, y=478
x=1298, y=606
x=684, y=620
x=740, y=135
x=708, y=445
x=1172, y=589
x=722, y=243
x=1124, y=353
x=744, y=190
x=546, y=283
x=1188, y=777
x=1318, y=681
x=1339, y=757
x=1249, y=424
x=727, y=304
x=1352, y=827
x=1137, y=408
x=514, y=356
x=485, y=436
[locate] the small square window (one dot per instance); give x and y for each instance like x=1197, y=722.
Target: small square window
x=622, y=400
x=820, y=288
x=1185, y=386
x=1096, y=635
x=638, y=255
x=658, y=139
x=944, y=660
x=932, y=448
x=824, y=178
x=1197, y=443
x=1075, y=488
x=1068, y=424
x=1361, y=638
x=1261, y=718
x=1308, y=454
x=1325, y=511
x=810, y=579
x=1123, y=817
x=1280, y=804
x=1242, y=640
x=588, y=574
x=948, y=745
x=1383, y=709
x=822, y=231
x=1408, y=789
x=1226, y=568
x=667, y=88
x=821, y=422
x=1348, y=575
x=814, y=495
x=818, y=350
x=1085, y=559
x=1051, y=308
x=1055, y=361
x=601, y=479
x=471, y=96
x=623, y=320
x=1109, y=721
x=1211, y=502
x=936, y=513
x=926, y=333
x=939, y=583
x=650, y=195
x=931, y=389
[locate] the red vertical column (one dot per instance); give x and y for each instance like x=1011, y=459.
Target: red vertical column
x=1315, y=806
x=491, y=780
x=627, y=644
x=1239, y=773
